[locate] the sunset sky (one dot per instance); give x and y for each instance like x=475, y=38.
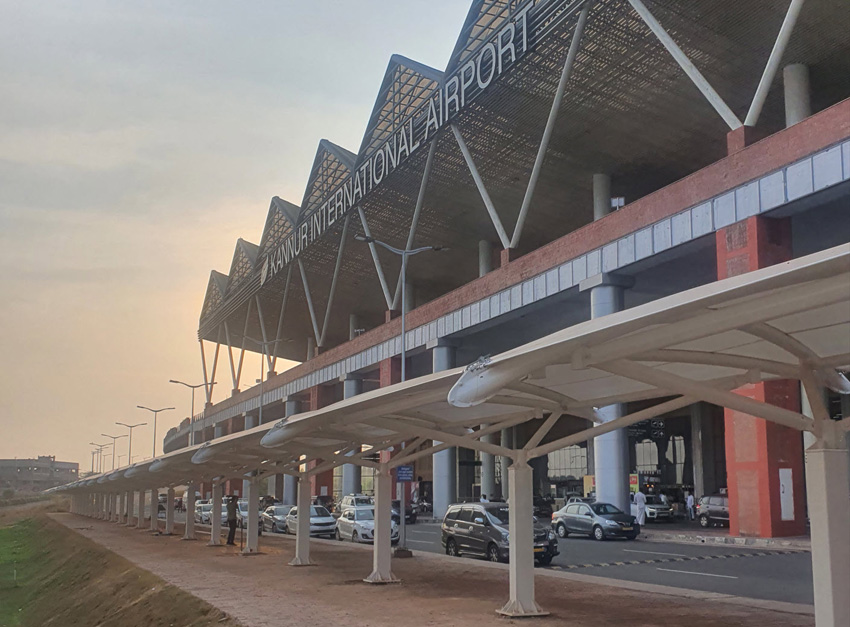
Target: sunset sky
x=138, y=141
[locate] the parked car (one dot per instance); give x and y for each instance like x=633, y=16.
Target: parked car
x=358, y=525
x=580, y=499
x=273, y=518
x=598, y=520
x=242, y=515
x=543, y=506
x=481, y=529
x=355, y=500
x=409, y=513
x=321, y=521
x=713, y=509
x=203, y=513
x=656, y=509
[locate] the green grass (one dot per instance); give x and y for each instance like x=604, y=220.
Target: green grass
x=18, y=557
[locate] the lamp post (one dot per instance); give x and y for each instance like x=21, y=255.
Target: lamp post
x=155, y=412
x=130, y=443
x=99, y=448
x=113, y=438
x=404, y=253
x=262, y=344
x=192, y=417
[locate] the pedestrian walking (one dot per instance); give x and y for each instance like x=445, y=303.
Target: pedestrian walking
x=231, y=520
x=640, y=504
x=690, y=506
x=484, y=498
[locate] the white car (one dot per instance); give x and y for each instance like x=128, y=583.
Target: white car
x=321, y=521
x=358, y=525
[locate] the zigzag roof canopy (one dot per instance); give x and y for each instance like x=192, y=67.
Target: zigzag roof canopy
x=406, y=85
x=280, y=222
x=242, y=266
x=331, y=167
x=216, y=288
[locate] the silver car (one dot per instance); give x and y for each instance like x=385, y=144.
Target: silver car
x=321, y=522
x=274, y=518
x=358, y=525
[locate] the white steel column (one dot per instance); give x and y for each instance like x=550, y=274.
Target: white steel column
x=827, y=487
x=215, y=514
x=130, y=508
x=189, y=528
x=154, y=509
x=302, y=526
x=252, y=544
x=444, y=462
x=119, y=507
x=798, y=103
x=507, y=441
x=169, y=512
x=250, y=422
x=140, y=506
x=116, y=501
x=521, y=527
x=382, y=543
x=350, y=472
x=290, y=482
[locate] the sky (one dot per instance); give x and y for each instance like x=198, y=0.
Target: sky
x=138, y=141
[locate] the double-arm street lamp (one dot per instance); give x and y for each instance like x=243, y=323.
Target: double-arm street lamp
x=404, y=253
x=113, y=438
x=99, y=452
x=130, y=444
x=192, y=417
x=155, y=412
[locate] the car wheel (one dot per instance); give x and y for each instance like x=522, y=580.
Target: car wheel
x=337, y=535
x=562, y=530
x=451, y=548
x=598, y=533
x=704, y=522
x=545, y=561
x=493, y=553
x=631, y=536
x=355, y=537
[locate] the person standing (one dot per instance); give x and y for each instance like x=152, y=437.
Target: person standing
x=231, y=520
x=640, y=505
x=483, y=498
x=690, y=505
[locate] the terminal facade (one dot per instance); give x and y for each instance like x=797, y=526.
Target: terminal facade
x=34, y=475
x=573, y=159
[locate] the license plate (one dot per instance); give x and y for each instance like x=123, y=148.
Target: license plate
x=539, y=549
x=627, y=528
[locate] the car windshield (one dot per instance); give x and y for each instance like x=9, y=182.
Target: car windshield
x=281, y=511
x=243, y=505
x=362, y=500
x=498, y=515
x=206, y=508
x=653, y=500
x=604, y=509
x=319, y=512
x=364, y=514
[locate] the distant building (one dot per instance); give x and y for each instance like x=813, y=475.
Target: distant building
x=34, y=475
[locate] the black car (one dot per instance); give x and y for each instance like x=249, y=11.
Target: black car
x=598, y=520
x=481, y=529
x=713, y=509
x=409, y=513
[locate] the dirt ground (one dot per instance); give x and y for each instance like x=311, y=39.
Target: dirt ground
x=50, y=575
x=262, y=590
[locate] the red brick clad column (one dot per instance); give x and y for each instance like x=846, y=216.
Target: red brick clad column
x=756, y=449
x=320, y=396
x=390, y=371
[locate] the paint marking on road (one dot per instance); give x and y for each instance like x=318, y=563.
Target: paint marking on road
x=654, y=553
x=409, y=541
x=691, y=572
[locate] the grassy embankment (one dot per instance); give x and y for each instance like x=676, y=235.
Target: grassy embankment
x=50, y=575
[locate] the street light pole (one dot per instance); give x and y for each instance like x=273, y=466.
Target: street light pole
x=113, y=438
x=130, y=443
x=100, y=448
x=155, y=412
x=192, y=417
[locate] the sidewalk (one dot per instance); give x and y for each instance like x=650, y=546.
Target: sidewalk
x=692, y=533
x=263, y=590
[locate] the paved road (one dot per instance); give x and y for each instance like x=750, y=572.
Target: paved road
x=755, y=573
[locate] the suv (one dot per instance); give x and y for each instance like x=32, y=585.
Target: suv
x=482, y=529
x=656, y=509
x=355, y=500
x=713, y=509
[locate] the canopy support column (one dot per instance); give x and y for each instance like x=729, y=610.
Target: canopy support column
x=130, y=513
x=382, y=538
x=154, y=509
x=302, y=525
x=252, y=542
x=140, y=506
x=189, y=528
x=828, y=483
x=215, y=515
x=521, y=526
x=169, y=512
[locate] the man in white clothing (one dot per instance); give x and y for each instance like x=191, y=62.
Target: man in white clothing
x=640, y=505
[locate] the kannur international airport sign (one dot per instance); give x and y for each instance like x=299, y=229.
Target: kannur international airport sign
x=489, y=61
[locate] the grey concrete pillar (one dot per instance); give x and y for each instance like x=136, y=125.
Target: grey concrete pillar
x=130, y=508
x=488, y=469
x=140, y=516
x=351, y=483
x=250, y=422
x=252, y=543
x=189, y=527
x=215, y=514
x=485, y=257
x=276, y=487
x=169, y=512
x=601, y=196
x=154, y=509
x=445, y=462
x=353, y=325
x=311, y=347
x=798, y=103
x=290, y=482
x=218, y=430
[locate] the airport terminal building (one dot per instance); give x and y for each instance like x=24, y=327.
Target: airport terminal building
x=575, y=158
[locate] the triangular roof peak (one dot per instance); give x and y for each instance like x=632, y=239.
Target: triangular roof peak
x=244, y=261
x=331, y=167
x=405, y=86
x=484, y=18
x=280, y=223
x=214, y=297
